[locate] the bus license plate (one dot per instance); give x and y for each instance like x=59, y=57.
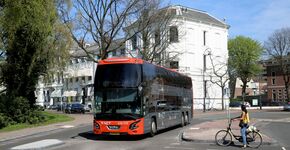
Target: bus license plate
x=114, y=133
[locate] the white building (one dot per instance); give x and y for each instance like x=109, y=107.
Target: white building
x=197, y=36
x=69, y=85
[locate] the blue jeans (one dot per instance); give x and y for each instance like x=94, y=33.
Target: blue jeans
x=243, y=133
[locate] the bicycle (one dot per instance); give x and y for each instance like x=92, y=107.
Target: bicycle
x=225, y=137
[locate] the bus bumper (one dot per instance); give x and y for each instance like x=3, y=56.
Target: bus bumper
x=132, y=127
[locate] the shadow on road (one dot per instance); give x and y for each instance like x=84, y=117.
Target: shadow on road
x=94, y=137
x=91, y=136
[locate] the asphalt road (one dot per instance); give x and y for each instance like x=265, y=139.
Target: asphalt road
x=274, y=124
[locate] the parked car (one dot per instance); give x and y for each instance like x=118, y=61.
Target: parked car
x=52, y=107
x=74, y=108
x=88, y=107
x=287, y=107
x=235, y=104
x=60, y=107
x=238, y=104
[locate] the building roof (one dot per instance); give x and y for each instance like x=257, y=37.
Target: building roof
x=191, y=14
x=76, y=51
x=201, y=16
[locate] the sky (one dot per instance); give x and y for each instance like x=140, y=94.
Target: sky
x=257, y=19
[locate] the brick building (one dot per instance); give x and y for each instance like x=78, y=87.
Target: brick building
x=275, y=83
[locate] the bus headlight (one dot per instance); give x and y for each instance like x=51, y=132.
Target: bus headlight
x=134, y=125
x=97, y=126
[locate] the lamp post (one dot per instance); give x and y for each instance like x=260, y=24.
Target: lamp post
x=203, y=77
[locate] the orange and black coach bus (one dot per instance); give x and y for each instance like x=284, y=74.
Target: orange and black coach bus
x=134, y=97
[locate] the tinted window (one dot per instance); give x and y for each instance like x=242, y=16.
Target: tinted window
x=118, y=75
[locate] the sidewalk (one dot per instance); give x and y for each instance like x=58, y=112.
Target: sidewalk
x=80, y=120
x=205, y=132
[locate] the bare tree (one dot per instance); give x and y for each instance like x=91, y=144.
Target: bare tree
x=219, y=75
x=155, y=36
x=278, y=48
x=101, y=22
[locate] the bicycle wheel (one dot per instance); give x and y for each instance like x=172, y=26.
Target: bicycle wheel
x=254, y=139
x=223, y=138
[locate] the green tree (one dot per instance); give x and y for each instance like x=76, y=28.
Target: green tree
x=30, y=35
x=244, y=54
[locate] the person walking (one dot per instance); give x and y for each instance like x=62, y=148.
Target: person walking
x=244, y=121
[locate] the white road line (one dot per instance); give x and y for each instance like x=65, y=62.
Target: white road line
x=194, y=128
x=175, y=144
x=171, y=147
x=67, y=126
x=43, y=144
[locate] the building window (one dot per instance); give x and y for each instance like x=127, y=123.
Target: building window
x=77, y=79
x=173, y=33
x=157, y=37
x=273, y=81
x=174, y=65
x=134, y=42
x=274, y=96
x=273, y=74
x=204, y=38
x=58, y=78
x=83, y=79
x=123, y=52
x=90, y=78
x=114, y=53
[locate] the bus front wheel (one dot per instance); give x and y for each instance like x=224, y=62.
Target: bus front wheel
x=153, y=127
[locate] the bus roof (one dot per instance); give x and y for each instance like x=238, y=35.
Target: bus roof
x=128, y=60
x=121, y=60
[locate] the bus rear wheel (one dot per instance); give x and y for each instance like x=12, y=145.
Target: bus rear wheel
x=186, y=119
x=153, y=127
x=182, y=120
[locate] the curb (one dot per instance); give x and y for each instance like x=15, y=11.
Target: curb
x=35, y=134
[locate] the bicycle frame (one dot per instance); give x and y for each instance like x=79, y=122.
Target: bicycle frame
x=229, y=130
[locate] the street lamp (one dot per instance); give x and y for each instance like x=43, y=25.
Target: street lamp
x=206, y=53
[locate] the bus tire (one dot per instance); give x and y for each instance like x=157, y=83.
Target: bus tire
x=186, y=119
x=182, y=120
x=153, y=129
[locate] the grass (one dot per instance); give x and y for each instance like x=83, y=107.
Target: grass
x=51, y=118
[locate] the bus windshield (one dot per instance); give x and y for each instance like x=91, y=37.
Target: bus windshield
x=117, y=101
x=116, y=90
x=118, y=75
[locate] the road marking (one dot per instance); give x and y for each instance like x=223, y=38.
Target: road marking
x=175, y=144
x=43, y=144
x=171, y=147
x=283, y=148
x=194, y=128
x=67, y=126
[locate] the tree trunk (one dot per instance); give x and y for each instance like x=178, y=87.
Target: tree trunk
x=223, y=97
x=244, y=87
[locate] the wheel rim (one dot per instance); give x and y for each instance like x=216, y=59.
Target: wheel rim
x=254, y=139
x=223, y=138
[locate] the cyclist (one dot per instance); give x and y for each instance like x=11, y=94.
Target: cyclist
x=244, y=121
